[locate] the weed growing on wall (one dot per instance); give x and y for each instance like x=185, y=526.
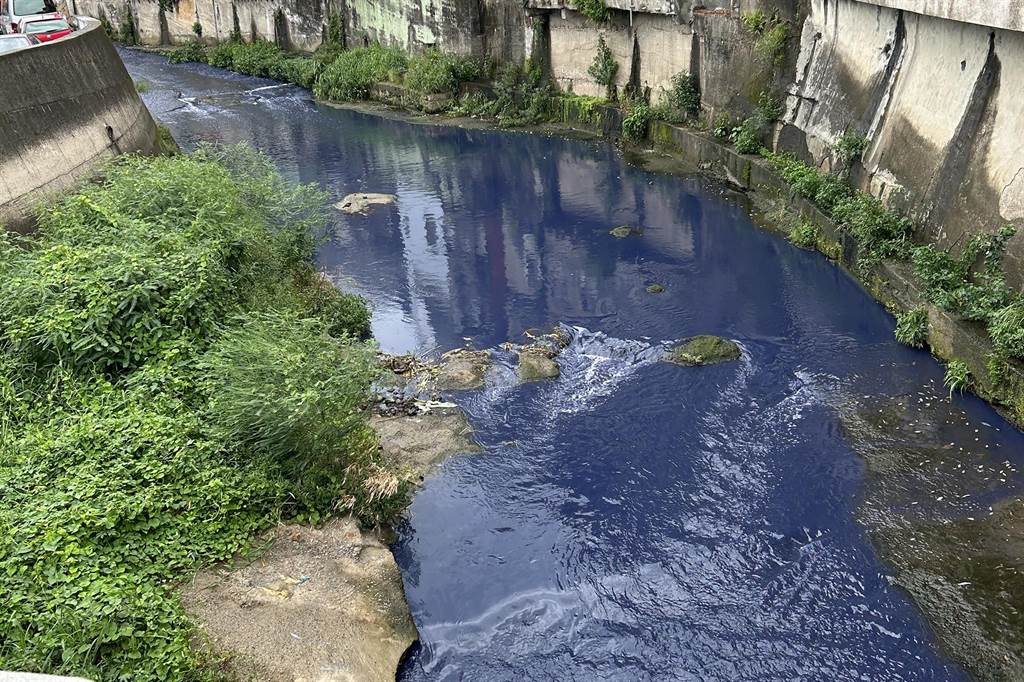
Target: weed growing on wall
x=682, y=102
x=912, y=328
x=637, y=119
x=958, y=377
x=804, y=234
x=880, y=232
x=850, y=147
x=595, y=10
x=770, y=35
x=436, y=72
x=950, y=283
x=604, y=68
x=173, y=378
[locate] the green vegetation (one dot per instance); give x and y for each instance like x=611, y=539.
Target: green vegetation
x=436, y=72
x=595, y=10
x=804, y=234
x=142, y=86
x=912, y=328
x=567, y=108
x=722, y=126
x=604, y=68
x=192, y=51
x=850, y=147
x=958, y=376
x=175, y=376
x=880, y=233
x=950, y=283
x=197, y=29
x=770, y=35
x=682, y=102
x=353, y=72
x=1006, y=327
x=748, y=136
x=636, y=120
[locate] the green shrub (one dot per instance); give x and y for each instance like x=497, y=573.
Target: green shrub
x=435, y=72
x=298, y=70
x=223, y=55
x=595, y=10
x=686, y=93
x=950, y=284
x=747, y=137
x=522, y=96
x=722, y=126
x=168, y=386
x=851, y=146
x=604, y=68
x=344, y=314
x=350, y=76
x=958, y=376
x=192, y=51
x=912, y=328
x=804, y=234
x=636, y=121
x=197, y=29
x=256, y=58
x=880, y=232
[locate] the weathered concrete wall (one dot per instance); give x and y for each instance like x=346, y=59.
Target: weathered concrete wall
x=58, y=135
x=939, y=102
x=1008, y=14
x=649, y=51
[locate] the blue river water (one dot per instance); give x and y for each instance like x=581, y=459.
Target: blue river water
x=631, y=520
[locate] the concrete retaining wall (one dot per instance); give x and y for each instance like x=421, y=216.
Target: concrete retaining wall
x=940, y=104
x=67, y=107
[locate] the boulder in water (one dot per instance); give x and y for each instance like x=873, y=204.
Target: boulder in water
x=463, y=370
x=363, y=202
x=703, y=350
x=655, y=289
x=536, y=364
x=623, y=231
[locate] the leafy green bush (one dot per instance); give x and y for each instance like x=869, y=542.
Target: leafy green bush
x=298, y=70
x=350, y=76
x=522, y=96
x=850, y=146
x=637, y=120
x=604, y=68
x=595, y=10
x=192, y=51
x=256, y=58
x=950, y=284
x=912, y=328
x=804, y=234
x=747, y=137
x=685, y=94
x=722, y=126
x=223, y=55
x=436, y=72
x=880, y=232
x=123, y=462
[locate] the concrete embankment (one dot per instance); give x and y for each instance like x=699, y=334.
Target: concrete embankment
x=67, y=107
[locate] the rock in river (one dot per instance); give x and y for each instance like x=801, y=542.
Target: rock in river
x=703, y=350
x=362, y=202
x=536, y=364
x=463, y=370
x=623, y=231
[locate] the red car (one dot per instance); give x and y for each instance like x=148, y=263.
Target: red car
x=47, y=29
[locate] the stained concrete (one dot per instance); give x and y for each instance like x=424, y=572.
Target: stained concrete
x=57, y=136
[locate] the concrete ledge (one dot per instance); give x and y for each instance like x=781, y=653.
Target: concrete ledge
x=68, y=107
x=1007, y=14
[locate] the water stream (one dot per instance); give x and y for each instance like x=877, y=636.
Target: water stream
x=631, y=520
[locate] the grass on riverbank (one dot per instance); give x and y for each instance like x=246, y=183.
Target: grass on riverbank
x=174, y=376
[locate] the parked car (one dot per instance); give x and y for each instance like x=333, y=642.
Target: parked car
x=10, y=43
x=46, y=29
x=14, y=11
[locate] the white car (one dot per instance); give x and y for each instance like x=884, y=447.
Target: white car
x=16, y=11
x=10, y=43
